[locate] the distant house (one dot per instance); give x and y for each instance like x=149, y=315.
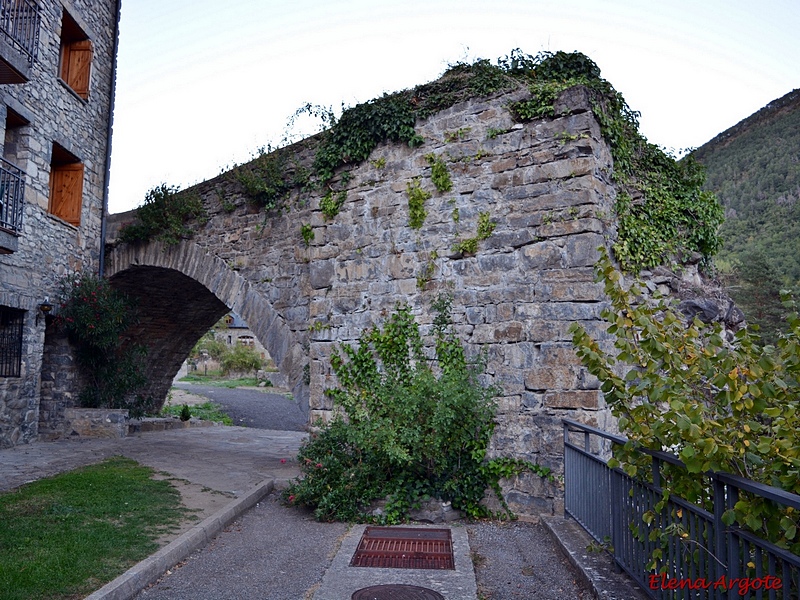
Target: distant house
x=57, y=71
x=238, y=332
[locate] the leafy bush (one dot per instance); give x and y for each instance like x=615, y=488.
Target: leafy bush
x=95, y=317
x=409, y=428
x=209, y=344
x=165, y=216
x=240, y=359
x=721, y=406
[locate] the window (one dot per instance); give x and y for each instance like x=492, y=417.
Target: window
x=11, y=320
x=246, y=340
x=76, y=56
x=66, y=185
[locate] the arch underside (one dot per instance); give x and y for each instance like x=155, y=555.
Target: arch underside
x=181, y=292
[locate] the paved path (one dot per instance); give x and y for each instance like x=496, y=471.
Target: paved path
x=225, y=459
x=279, y=553
x=253, y=407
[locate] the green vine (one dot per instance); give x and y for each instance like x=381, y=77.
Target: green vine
x=672, y=217
x=416, y=203
x=439, y=173
x=469, y=246
x=428, y=269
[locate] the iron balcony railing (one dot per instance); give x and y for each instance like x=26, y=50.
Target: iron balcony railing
x=703, y=554
x=19, y=23
x=12, y=192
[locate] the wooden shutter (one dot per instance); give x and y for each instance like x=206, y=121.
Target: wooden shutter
x=66, y=192
x=77, y=63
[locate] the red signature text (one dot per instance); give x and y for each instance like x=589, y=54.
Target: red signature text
x=742, y=585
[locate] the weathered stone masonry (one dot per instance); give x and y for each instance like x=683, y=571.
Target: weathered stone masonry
x=545, y=184
x=37, y=114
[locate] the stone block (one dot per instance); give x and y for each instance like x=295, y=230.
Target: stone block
x=575, y=399
x=321, y=273
x=542, y=255
x=96, y=422
x=582, y=249
x=551, y=378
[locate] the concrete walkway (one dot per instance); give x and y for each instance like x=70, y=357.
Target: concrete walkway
x=228, y=473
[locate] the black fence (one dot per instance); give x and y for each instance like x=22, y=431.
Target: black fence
x=19, y=23
x=12, y=192
x=703, y=558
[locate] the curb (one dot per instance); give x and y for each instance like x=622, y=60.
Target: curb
x=597, y=569
x=135, y=579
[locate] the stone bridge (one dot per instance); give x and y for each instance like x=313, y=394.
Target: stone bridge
x=544, y=184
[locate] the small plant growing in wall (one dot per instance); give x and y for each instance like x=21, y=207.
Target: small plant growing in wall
x=416, y=203
x=439, y=173
x=307, y=232
x=485, y=229
x=427, y=271
x=331, y=203
x=95, y=316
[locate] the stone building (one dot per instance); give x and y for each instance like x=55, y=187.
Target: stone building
x=57, y=72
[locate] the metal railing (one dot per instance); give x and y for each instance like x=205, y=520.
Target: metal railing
x=12, y=192
x=19, y=23
x=701, y=552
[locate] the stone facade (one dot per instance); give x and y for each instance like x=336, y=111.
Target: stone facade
x=57, y=125
x=546, y=186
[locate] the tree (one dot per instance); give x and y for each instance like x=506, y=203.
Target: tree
x=722, y=406
x=756, y=287
x=95, y=317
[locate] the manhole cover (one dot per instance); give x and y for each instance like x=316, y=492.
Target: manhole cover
x=404, y=548
x=396, y=592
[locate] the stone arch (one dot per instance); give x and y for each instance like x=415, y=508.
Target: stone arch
x=182, y=291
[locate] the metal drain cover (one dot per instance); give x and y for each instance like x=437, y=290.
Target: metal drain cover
x=396, y=592
x=405, y=548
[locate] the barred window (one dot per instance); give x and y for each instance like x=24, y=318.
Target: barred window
x=11, y=320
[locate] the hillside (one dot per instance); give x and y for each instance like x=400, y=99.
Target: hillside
x=754, y=169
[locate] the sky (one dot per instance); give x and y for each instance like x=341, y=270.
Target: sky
x=202, y=85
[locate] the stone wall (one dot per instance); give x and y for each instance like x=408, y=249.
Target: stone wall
x=48, y=247
x=544, y=184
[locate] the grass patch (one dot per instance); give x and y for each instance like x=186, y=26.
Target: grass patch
x=226, y=383
x=208, y=411
x=66, y=536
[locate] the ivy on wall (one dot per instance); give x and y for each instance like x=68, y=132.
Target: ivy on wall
x=662, y=212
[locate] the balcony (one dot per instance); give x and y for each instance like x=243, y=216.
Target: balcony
x=19, y=39
x=12, y=191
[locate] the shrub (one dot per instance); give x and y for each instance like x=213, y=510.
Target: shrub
x=95, y=317
x=240, y=359
x=165, y=216
x=209, y=344
x=410, y=427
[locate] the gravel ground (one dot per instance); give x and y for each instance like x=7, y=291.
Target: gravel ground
x=253, y=407
x=519, y=560
x=279, y=553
